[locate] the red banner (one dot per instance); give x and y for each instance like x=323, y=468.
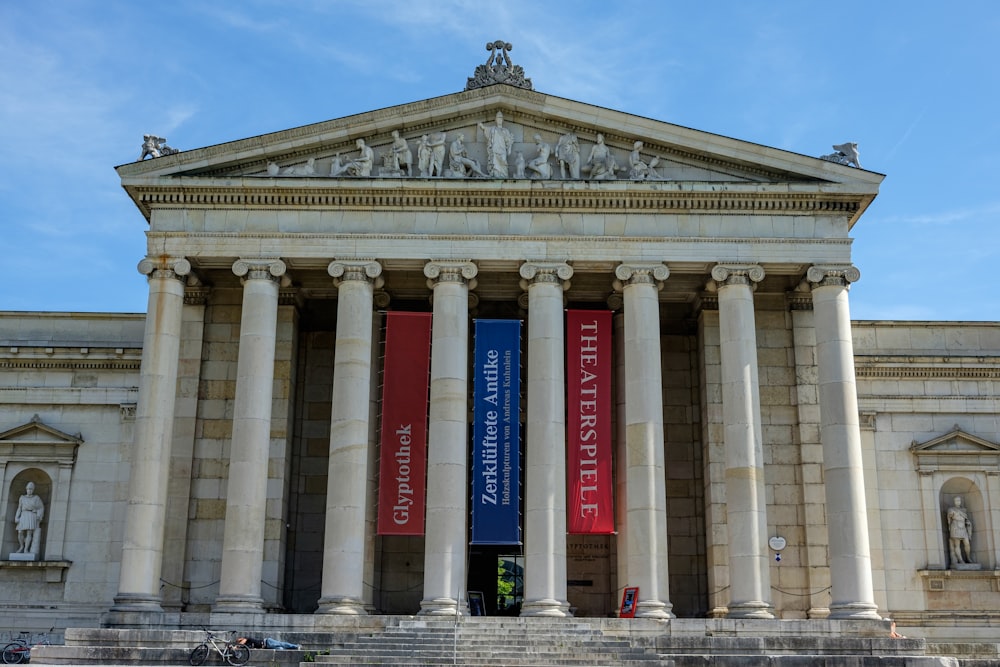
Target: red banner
x=589, y=487
x=402, y=484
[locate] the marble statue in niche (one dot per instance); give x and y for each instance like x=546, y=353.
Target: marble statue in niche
x=540, y=163
x=460, y=165
x=601, y=164
x=960, y=536
x=499, y=142
x=28, y=520
x=568, y=154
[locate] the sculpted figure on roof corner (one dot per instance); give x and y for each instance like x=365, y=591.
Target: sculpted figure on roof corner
x=568, y=154
x=847, y=154
x=154, y=146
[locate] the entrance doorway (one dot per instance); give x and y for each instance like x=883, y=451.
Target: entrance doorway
x=499, y=575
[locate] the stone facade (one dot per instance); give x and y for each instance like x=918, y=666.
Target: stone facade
x=234, y=471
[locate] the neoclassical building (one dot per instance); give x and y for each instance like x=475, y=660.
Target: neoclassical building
x=389, y=356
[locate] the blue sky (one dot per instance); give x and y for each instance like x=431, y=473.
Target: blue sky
x=916, y=85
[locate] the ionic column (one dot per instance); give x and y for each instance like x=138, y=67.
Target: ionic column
x=243, y=538
x=646, y=513
x=448, y=428
x=347, y=479
x=746, y=506
x=545, y=477
x=142, y=550
x=840, y=434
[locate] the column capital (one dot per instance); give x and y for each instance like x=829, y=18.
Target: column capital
x=451, y=271
x=535, y=273
x=737, y=274
x=261, y=268
x=653, y=273
x=367, y=270
x=164, y=267
x=842, y=275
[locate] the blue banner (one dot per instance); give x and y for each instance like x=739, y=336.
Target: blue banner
x=496, y=456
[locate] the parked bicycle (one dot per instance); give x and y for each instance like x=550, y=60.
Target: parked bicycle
x=227, y=648
x=19, y=650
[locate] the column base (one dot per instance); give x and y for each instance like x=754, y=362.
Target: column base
x=653, y=609
x=442, y=607
x=551, y=608
x=343, y=606
x=751, y=610
x=238, y=604
x=854, y=611
x=137, y=602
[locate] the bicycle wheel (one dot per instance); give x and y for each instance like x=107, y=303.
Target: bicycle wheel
x=199, y=655
x=13, y=654
x=238, y=654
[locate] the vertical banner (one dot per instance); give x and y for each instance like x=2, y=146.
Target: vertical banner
x=589, y=487
x=496, y=457
x=403, y=459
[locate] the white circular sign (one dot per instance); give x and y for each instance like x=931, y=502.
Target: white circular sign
x=777, y=543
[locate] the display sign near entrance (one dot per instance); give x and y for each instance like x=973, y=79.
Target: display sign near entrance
x=403, y=458
x=496, y=461
x=629, y=599
x=589, y=486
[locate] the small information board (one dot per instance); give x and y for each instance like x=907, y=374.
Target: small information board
x=629, y=599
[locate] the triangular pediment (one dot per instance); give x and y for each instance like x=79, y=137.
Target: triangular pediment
x=320, y=155
x=956, y=442
x=35, y=441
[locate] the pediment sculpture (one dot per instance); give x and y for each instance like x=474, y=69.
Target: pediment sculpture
x=500, y=154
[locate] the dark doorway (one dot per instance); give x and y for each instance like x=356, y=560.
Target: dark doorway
x=498, y=574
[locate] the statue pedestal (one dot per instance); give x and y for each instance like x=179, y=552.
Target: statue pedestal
x=20, y=556
x=967, y=566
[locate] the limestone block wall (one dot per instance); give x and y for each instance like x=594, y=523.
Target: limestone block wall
x=929, y=396
x=75, y=375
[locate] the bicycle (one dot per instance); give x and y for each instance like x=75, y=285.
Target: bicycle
x=19, y=650
x=229, y=651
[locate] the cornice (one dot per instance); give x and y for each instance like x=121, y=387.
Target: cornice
x=902, y=370
x=71, y=364
x=737, y=199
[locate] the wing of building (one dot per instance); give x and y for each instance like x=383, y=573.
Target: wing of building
x=506, y=345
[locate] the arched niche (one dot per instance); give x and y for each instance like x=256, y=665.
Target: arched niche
x=37, y=452
x=959, y=464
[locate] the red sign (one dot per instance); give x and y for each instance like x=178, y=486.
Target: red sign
x=630, y=597
x=589, y=487
x=403, y=459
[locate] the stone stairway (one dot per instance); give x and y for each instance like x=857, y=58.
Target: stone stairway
x=499, y=642
x=528, y=642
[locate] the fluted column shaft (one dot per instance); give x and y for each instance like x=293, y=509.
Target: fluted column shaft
x=347, y=479
x=243, y=537
x=448, y=428
x=646, y=487
x=840, y=434
x=746, y=504
x=545, y=477
x=142, y=550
